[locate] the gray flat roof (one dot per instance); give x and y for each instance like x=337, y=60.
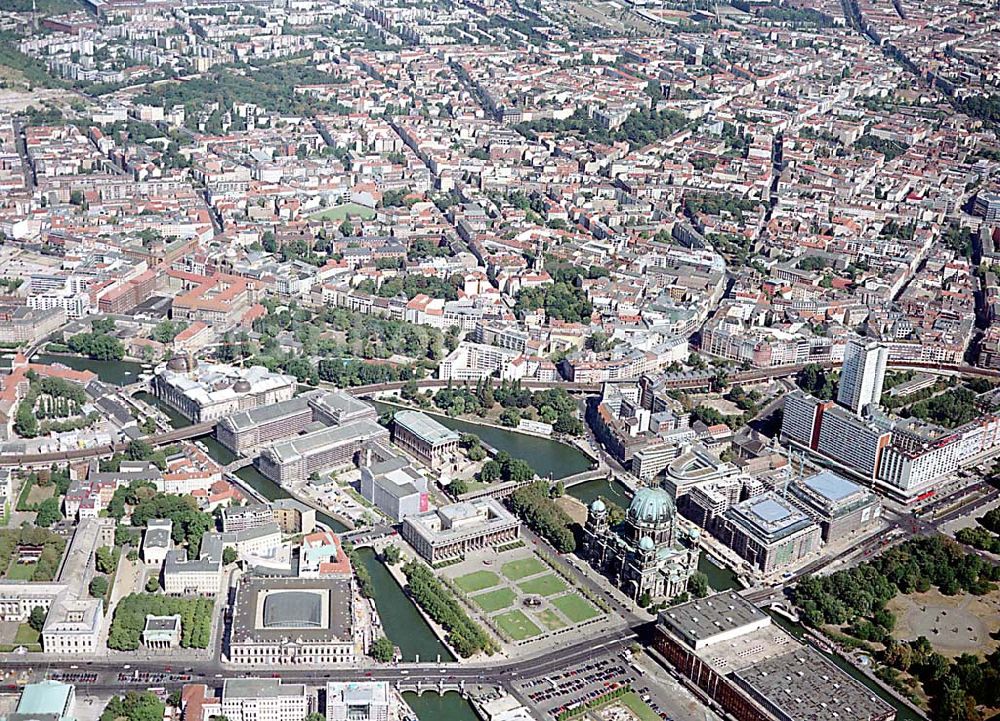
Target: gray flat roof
x=362, y=429
x=163, y=623
x=260, y=688
x=339, y=402
x=805, y=686
x=699, y=620
x=156, y=537
x=422, y=425
x=768, y=517
x=336, y=626
x=265, y=414
x=831, y=485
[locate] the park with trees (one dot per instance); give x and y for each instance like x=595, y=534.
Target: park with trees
x=134, y=706
x=45, y=568
x=465, y=636
x=52, y=405
x=99, y=343
x=554, y=406
x=534, y=505
x=130, y=618
x=855, y=602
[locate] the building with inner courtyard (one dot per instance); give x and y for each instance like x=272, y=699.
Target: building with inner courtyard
x=645, y=554
x=294, y=621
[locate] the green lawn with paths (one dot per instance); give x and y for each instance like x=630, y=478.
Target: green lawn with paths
x=20, y=571
x=516, y=625
x=26, y=635
x=495, y=600
x=551, y=620
x=522, y=568
x=477, y=581
x=575, y=608
x=543, y=585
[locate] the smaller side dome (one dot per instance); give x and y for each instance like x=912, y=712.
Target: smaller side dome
x=181, y=363
x=242, y=386
x=598, y=506
x=646, y=544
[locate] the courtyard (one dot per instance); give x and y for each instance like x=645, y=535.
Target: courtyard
x=520, y=594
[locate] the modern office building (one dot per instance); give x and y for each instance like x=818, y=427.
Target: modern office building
x=693, y=465
x=357, y=701
x=801, y=418
x=475, y=361
x=264, y=699
x=294, y=621
x=862, y=374
x=240, y=518
x=841, y=507
x=423, y=437
x=320, y=451
x=395, y=487
x=208, y=392
x=768, y=532
x=987, y=205
x=650, y=461
x=450, y=532
x=707, y=502
x=756, y=671
x=855, y=442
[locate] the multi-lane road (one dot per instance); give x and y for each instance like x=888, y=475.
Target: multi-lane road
x=109, y=673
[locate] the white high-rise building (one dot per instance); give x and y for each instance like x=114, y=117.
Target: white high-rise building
x=862, y=374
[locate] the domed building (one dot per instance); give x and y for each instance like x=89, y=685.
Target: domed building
x=643, y=555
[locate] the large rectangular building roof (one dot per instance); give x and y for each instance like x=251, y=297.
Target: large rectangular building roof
x=425, y=427
x=266, y=414
x=44, y=697
x=805, y=686
x=304, y=446
x=768, y=517
x=260, y=688
x=736, y=640
x=711, y=620
x=831, y=485
x=251, y=618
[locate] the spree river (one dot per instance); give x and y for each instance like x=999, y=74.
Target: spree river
x=119, y=373
x=433, y=707
x=403, y=624
x=545, y=455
